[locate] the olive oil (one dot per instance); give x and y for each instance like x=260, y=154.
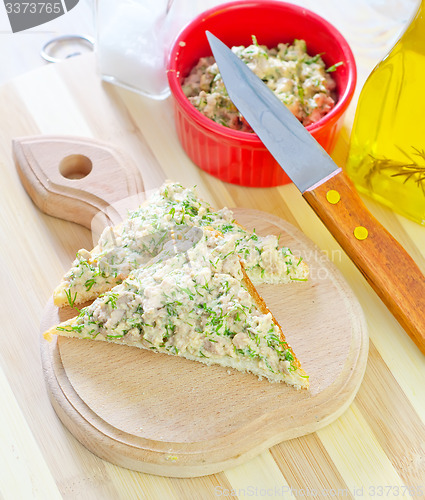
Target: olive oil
x=387, y=149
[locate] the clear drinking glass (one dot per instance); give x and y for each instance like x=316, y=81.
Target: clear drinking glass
x=132, y=42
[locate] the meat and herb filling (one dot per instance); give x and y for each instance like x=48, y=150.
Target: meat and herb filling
x=143, y=234
x=302, y=82
x=196, y=303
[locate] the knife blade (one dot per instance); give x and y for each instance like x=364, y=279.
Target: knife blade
x=387, y=267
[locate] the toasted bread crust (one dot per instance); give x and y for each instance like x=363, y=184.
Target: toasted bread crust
x=265, y=310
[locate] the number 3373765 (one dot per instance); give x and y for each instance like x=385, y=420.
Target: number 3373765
x=34, y=7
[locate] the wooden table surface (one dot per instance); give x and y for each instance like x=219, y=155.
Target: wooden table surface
x=376, y=448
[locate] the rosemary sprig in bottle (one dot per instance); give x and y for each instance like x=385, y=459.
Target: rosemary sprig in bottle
x=410, y=171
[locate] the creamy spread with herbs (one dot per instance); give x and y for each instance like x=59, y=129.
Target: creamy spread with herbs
x=302, y=82
x=143, y=235
x=192, y=302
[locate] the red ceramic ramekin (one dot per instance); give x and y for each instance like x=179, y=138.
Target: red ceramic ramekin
x=240, y=157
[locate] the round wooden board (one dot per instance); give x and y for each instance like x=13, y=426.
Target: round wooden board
x=169, y=416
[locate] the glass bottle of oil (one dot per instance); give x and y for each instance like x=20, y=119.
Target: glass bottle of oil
x=387, y=149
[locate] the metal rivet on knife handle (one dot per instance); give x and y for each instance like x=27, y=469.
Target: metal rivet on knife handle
x=361, y=233
x=333, y=196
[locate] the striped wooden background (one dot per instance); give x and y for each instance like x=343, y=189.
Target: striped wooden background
x=376, y=448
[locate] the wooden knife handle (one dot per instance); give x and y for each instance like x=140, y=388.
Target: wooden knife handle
x=385, y=264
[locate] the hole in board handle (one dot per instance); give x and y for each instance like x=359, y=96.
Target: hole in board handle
x=75, y=166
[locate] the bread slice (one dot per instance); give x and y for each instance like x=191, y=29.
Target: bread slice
x=196, y=301
x=141, y=236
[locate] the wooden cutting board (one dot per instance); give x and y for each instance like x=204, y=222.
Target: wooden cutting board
x=166, y=415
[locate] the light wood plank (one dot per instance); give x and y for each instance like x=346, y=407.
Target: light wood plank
x=307, y=466
x=400, y=354
x=23, y=471
x=49, y=102
x=399, y=429
x=362, y=463
x=130, y=484
x=260, y=477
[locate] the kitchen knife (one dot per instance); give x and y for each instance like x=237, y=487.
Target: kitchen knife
x=387, y=267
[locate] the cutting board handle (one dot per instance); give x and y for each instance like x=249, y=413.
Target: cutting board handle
x=76, y=178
